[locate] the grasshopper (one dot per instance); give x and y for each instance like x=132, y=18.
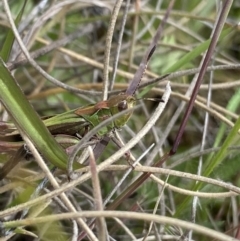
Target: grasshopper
x=73, y=123
x=90, y=116
x=79, y=121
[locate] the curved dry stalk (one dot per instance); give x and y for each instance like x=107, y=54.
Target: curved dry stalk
x=127, y=215
x=97, y=195
x=234, y=190
x=128, y=75
x=107, y=51
x=55, y=184
x=48, y=48
x=214, y=113
x=133, y=38
x=125, y=228
x=187, y=72
x=30, y=59
x=119, y=44
x=219, y=108
x=190, y=155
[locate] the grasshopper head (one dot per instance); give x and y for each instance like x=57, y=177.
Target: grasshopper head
x=120, y=103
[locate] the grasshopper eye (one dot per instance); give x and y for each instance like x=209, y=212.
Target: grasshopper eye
x=123, y=105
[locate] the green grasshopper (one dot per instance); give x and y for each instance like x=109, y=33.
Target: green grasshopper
x=74, y=122
x=79, y=121
x=92, y=115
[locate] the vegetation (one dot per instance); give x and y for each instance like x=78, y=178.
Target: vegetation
x=77, y=45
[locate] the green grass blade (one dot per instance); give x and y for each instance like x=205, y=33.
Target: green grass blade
x=232, y=106
x=27, y=119
x=219, y=157
x=187, y=58
x=214, y=162
x=7, y=46
x=201, y=48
